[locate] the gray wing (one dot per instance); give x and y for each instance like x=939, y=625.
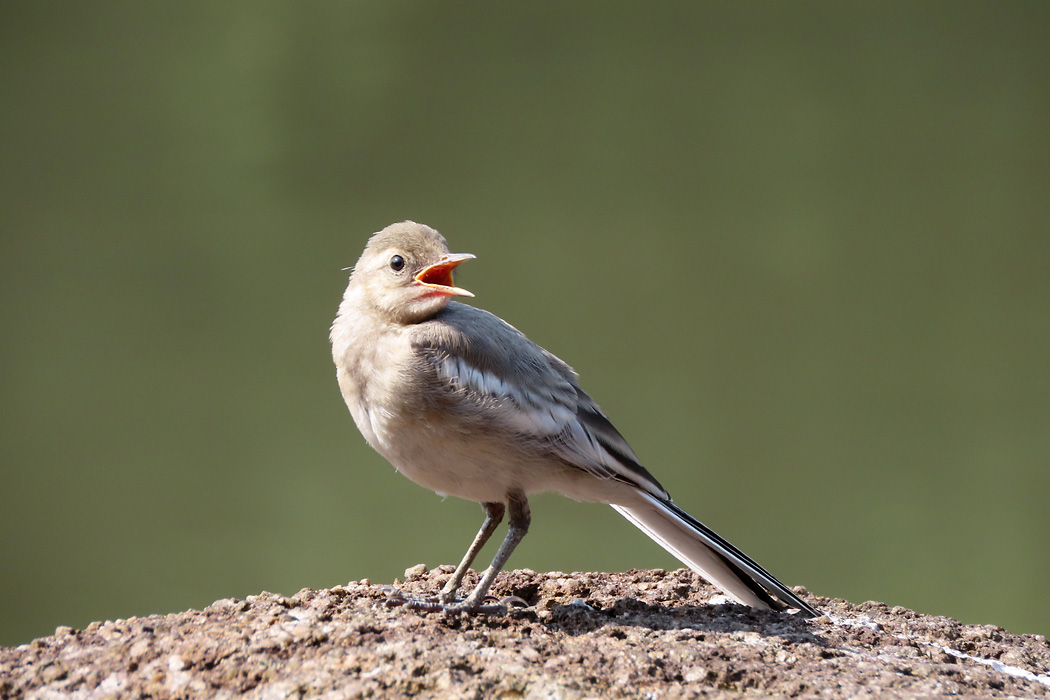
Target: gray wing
x=503, y=381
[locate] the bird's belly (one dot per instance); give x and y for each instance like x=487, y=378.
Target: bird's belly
x=434, y=458
x=450, y=471
x=483, y=467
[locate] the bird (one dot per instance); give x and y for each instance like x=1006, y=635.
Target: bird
x=464, y=404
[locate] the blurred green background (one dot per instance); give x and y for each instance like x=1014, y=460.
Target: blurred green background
x=800, y=253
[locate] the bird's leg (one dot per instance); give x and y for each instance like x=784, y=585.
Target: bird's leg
x=493, y=517
x=518, y=526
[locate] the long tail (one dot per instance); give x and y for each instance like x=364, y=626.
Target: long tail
x=712, y=557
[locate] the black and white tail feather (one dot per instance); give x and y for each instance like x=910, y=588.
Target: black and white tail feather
x=711, y=556
x=685, y=537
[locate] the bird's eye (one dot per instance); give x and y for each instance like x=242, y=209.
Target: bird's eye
x=397, y=263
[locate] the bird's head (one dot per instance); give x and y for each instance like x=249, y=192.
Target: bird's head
x=405, y=272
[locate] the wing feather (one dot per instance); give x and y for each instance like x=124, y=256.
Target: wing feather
x=537, y=396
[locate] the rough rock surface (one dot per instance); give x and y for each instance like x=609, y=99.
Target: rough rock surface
x=634, y=634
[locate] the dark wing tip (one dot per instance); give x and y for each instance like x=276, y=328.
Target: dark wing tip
x=595, y=422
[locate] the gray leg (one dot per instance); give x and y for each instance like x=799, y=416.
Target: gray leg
x=493, y=517
x=519, y=525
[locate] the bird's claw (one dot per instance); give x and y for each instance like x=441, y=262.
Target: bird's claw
x=474, y=608
x=398, y=599
x=490, y=606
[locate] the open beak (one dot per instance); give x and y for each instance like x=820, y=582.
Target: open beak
x=438, y=277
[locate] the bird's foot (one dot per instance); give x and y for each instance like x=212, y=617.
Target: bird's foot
x=397, y=598
x=487, y=606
